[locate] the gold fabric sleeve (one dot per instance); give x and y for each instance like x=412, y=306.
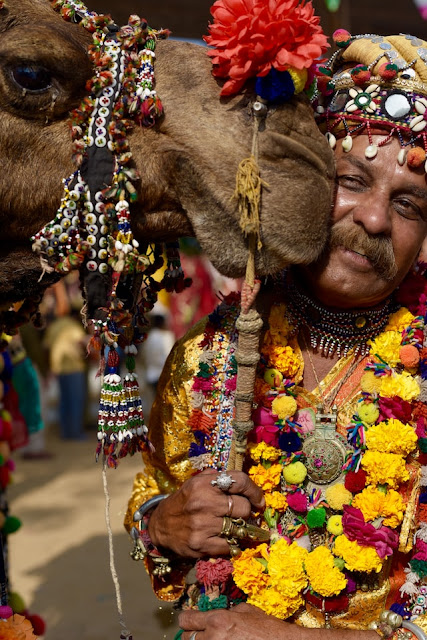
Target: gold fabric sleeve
x=168, y=466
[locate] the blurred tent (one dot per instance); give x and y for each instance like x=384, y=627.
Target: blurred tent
x=189, y=18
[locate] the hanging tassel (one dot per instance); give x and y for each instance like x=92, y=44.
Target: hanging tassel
x=136, y=424
x=113, y=410
x=174, y=278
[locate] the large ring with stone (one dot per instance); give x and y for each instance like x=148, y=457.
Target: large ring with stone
x=223, y=481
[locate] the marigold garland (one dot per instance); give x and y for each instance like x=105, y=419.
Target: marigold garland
x=358, y=517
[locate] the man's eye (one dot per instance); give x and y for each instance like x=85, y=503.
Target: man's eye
x=351, y=182
x=32, y=78
x=408, y=209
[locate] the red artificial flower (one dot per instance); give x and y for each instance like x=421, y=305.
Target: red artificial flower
x=394, y=407
x=383, y=539
x=252, y=36
x=213, y=572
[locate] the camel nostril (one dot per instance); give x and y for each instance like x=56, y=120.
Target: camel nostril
x=32, y=78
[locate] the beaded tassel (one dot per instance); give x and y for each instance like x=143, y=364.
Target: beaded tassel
x=136, y=423
x=113, y=411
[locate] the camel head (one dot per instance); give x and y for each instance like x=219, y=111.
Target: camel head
x=187, y=162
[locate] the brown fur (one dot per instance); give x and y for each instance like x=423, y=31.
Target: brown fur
x=187, y=162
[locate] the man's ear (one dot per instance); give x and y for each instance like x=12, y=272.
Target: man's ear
x=423, y=251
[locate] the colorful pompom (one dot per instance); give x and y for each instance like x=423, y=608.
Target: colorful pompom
x=368, y=412
x=409, y=356
x=361, y=75
x=39, y=625
x=295, y=473
x=316, y=518
x=338, y=496
x=355, y=481
x=299, y=79
x=341, y=38
x=335, y=527
x=416, y=157
x=284, y=407
x=5, y=611
x=388, y=71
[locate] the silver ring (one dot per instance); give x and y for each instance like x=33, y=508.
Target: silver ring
x=223, y=481
x=193, y=635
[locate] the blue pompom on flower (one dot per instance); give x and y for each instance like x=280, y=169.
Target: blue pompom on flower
x=276, y=86
x=289, y=442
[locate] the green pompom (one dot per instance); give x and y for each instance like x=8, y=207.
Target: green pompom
x=422, y=444
x=419, y=567
x=16, y=602
x=12, y=524
x=316, y=518
x=339, y=563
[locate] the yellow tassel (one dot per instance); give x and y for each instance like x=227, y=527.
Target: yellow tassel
x=248, y=195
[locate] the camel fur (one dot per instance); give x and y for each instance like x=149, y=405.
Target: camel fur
x=187, y=162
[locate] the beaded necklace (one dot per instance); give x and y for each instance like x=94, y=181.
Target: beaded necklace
x=349, y=525
x=335, y=331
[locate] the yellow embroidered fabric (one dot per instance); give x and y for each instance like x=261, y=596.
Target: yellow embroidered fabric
x=169, y=467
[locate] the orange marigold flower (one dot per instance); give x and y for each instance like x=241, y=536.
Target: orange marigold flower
x=16, y=628
x=267, y=479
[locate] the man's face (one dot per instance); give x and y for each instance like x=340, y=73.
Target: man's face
x=379, y=222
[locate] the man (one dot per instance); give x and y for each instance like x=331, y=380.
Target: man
x=335, y=462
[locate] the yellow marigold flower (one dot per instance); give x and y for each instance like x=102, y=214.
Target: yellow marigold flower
x=324, y=577
x=276, y=501
x=263, y=451
x=295, y=473
x=279, y=326
x=357, y=558
x=385, y=468
x=284, y=407
x=260, y=391
x=337, y=496
x=392, y=436
x=368, y=412
x=249, y=574
x=334, y=525
x=274, y=604
x=387, y=346
x=286, y=568
x=400, y=384
x=399, y=320
x=283, y=358
x=374, y=503
x=267, y=479
x=370, y=383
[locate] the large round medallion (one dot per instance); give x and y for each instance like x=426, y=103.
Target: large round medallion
x=324, y=457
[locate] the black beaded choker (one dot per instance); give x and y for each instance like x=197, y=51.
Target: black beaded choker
x=335, y=332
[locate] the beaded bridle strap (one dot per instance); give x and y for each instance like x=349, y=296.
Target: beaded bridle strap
x=91, y=230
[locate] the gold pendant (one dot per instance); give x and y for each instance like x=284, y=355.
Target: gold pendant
x=325, y=451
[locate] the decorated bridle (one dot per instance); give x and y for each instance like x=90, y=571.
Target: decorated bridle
x=91, y=230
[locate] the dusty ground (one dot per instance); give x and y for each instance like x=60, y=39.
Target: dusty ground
x=59, y=559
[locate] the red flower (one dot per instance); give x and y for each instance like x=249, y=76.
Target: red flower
x=384, y=540
x=252, y=36
x=394, y=408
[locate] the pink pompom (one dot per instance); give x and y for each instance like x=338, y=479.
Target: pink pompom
x=5, y=612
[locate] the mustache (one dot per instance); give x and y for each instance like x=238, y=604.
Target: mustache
x=378, y=249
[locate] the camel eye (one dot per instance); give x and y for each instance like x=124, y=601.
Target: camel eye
x=32, y=78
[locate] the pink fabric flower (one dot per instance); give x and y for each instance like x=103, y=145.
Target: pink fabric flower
x=304, y=417
x=265, y=430
x=230, y=384
x=394, y=408
x=213, y=572
x=384, y=540
x=202, y=384
x=421, y=548
x=297, y=501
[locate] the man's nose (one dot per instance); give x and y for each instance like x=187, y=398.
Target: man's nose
x=374, y=215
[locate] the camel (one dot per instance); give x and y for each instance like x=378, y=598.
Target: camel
x=187, y=161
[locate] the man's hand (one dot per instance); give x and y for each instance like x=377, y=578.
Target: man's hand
x=189, y=521
x=245, y=622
